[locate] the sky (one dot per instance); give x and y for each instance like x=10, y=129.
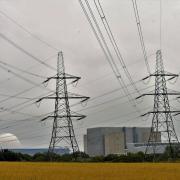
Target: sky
x=63, y=26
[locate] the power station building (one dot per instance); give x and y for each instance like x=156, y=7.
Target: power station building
x=115, y=140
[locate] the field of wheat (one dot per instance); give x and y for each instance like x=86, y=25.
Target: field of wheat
x=89, y=171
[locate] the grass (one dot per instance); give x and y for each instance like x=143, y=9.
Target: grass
x=89, y=171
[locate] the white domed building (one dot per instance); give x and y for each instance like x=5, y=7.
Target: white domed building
x=9, y=141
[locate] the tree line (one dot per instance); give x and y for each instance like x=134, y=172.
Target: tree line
x=7, y=155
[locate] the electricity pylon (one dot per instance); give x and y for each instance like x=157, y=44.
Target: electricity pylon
x=162, y=128
x=63, y=131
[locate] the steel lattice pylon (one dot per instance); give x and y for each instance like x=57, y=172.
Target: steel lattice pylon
x=63, y=132
x=162, y=129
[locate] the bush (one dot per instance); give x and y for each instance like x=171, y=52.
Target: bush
x=97, y=159
x=111, y=157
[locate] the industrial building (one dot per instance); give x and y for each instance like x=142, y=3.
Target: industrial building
x=115, y=140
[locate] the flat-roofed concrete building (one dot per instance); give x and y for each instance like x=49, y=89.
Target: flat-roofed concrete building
x=114, y=143
x=114, y=140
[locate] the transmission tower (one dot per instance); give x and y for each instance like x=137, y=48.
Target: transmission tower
x=63, y=132
x=162, y=129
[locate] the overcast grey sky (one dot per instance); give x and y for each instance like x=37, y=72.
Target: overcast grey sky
x=62, y=24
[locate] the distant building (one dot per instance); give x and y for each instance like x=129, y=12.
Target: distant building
x=40, y=150
x=115, y=140
x=137, y=147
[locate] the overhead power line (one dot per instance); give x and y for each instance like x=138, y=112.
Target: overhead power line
x=112, y=100
x=21, y=70
x=113, y=42
x=138, y=22
x=17, y=97
x=31, y=67
x=24, y=104
x=90, y=107
x=106, y=120
x=25, y=79
x=160, y=24
x=104, y=46
x=26, y=52
x=27, y=31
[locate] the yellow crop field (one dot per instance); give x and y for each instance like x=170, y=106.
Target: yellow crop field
x=89, y=171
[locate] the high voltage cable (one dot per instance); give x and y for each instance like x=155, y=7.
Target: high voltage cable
x=160, y=24
x=28, y=105
x=109, y=74
x=11, y=96
x=109, y=101
x=31, y=67
x=126, y=120
x=32, y=99
x=13, y=112
x=16, y=122
x=95, y=98
x=107, y=120
x=26, y=52
x=21, y=70
x=117, y=73
x=84, y=109
x=112, y=91
x=15, y=96
x=24, y=79
x=18, y=75
x=17, y=105
x=97, y=37
x=115, y=99
x=112, y=100
x=138, y=22
x=102, y=103
x=27, y=31
x=106, y=50
x=107, y=93
x=25, y=102
x=124, y=115
x=113, y=42
x=20, y=93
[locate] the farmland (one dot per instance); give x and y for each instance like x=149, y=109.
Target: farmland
x=89, y=171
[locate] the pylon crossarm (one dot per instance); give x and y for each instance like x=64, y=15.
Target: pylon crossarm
x=77, y=96
x=154, y=112
x=177, y=114
x=78, y=117
x=146, y=78
x=47, y=97
x=157, y=94
x=172, y=75
x=48, y=79
x=162, y=74
x=84, y=98
x=140, y=96
x=44, y=118
x=144, y=114
x=74, y=78
x=171, y=78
